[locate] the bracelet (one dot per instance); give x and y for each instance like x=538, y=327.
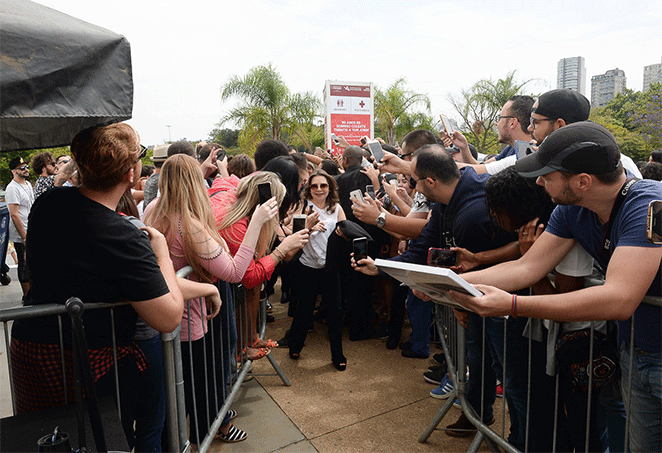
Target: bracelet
x=514, y=306
x=278, y=254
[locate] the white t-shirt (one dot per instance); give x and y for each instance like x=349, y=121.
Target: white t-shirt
x=498, y=165
x=314, y=253
x=23, y=196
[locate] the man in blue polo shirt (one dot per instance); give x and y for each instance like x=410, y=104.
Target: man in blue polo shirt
x=580, y=167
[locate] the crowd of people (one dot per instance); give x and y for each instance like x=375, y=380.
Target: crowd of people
x=511, y=220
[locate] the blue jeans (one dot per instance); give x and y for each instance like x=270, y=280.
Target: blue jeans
x=645, y=407
x=611, y=415
x=419, y=313
x=150, y=408
x=515, y=385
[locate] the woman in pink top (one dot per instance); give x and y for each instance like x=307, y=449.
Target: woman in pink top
x=183, y=214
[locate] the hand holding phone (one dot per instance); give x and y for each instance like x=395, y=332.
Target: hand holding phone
x=298, y=222
x=360, y=249
x=441, y=257
x=264, y=192
x=376, y=150
x=371, y=190
x=356, y=196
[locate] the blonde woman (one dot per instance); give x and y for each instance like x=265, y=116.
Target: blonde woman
x=183, y=214
x=233, y=202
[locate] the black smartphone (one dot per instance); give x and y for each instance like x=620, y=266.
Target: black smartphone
x=441, y=257
x=360, y=248
x=654, y=227
x=298, y=222
x=264, y=192
x=371, y=190
x=220, y=154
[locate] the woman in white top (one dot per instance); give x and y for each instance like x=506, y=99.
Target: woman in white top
x=311, y=276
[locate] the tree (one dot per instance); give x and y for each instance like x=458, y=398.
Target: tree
x=268, y=108
x=479, y=105
x=392, y=108
x=228, y=138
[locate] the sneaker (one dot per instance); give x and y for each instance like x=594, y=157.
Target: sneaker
x=457, y=404
x=438, y=367
x=463, y=427
x=444, y=390
x=392, y=342
x=434, y=377
x=499, y=390
x=439, y=358
x=270, y=308
x=405, y=345
x=413, y=354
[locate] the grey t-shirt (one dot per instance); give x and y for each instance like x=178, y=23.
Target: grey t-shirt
x=151, y=189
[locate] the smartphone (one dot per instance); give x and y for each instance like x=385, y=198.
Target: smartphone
x=441, y=257
x=360, y=248
x=371, y=190
x=220, y=154
x=335, y=139
x=523, y=148
x=376, y=150
x=264, y=192
x=654, y=228
x=363, y=140
x=447, y=124
x=298, y=222
x=356, y=196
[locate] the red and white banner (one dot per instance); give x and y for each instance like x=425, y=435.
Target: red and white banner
x=349, y=112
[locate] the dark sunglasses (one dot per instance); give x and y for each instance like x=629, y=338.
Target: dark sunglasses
x=319, y=186
x=23, y=167
x=143, y=152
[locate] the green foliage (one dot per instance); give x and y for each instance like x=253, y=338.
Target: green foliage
x=268, y=109
x=393, y=115
x=6, y=174
x=479, y=105
x=635, y=120
x=228, y=138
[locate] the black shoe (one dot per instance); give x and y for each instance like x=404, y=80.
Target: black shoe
x=439, y=358
x=392, y=343
x=434, y=377
x=284, y=297
x=431, y=367
x=413, y=354
x=270, y=318
x=340, y=363
x=406, y=345
x=284, y=342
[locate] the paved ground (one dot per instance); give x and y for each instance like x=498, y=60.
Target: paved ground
x=379, y=404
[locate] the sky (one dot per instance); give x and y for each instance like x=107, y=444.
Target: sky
x=184, y=51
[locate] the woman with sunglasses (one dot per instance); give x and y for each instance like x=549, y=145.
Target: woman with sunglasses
x=312, y=277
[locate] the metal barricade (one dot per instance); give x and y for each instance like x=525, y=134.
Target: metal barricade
x=176, y=426
x=453, y=336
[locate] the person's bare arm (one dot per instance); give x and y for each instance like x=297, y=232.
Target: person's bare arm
x=405, y=226
x=313, y=158
x=65, y=173
x=468, y=260
x=18, y=223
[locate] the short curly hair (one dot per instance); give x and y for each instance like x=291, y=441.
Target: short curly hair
x=517, y=198
x=41, y=160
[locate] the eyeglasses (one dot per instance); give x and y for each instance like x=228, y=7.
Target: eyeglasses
x=64, y=162
x=414, y=182
x=143, y=152
x=319, y=186
x=499, y=117
x=23, y=167
x=536, y=121
x=402, y=156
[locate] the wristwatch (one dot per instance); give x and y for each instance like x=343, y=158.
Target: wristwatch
x=381, y=220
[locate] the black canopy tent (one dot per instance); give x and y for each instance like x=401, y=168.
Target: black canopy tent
x=58, y=75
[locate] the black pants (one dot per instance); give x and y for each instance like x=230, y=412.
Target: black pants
x=307, y=284
x=23, y=271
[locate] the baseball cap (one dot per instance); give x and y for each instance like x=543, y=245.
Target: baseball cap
x=563, y=103
x=160, y=153
x=583, y=147
x=15, y=162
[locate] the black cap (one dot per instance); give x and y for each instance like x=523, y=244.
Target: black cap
x=583, y=147
x=564, y=103
x=15, y=162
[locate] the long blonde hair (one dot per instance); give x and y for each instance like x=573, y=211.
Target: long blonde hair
x=183, y=199
x=247, y=200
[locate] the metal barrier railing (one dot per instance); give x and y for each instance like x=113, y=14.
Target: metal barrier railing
x=176, y=429
x=452, y=337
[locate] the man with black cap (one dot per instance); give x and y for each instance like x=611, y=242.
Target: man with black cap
x=19, y=197
x=600, y=208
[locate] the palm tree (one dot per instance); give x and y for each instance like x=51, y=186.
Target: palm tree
x=268, y=108
x=393, y=106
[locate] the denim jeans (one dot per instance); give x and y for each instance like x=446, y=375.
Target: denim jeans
x=150, y=408
x=515, y=385
x=419, y=313
x=645, y=405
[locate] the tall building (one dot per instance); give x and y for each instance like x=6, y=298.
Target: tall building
x=605, y=87
x=652, y=74
x=571, y=73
